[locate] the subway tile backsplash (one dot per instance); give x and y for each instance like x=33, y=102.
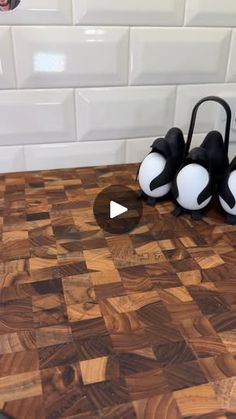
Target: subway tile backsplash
x=86, y=82
x=124, y=112
x=210, y=13
x=37, y=116
x=129, y=12
x=70, y=56
x=171, y=55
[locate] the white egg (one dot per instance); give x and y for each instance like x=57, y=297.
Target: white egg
x=232, y=187
x=151, y=167
x=191, y=181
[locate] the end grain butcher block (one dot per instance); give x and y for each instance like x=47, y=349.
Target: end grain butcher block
x=93, y=325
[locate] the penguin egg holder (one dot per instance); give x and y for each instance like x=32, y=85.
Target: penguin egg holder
x=192, y=177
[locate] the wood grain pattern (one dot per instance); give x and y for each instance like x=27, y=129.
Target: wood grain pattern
x=137, y=326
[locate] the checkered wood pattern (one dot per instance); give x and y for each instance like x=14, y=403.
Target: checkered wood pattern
x=93, y=325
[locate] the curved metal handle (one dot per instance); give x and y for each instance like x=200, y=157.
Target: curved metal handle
x=193, y=120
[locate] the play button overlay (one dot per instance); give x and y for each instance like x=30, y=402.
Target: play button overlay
x=117, y=209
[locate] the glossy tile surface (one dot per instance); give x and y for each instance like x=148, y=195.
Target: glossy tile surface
x=71, y=56
x=36, y=116
x=209, y=114
x=170, y=55
x=210, y=13
x=129, y=12
x=231, y=76
x=80, y=154
x=12, y=159
x=123, y=112
x=99, y=326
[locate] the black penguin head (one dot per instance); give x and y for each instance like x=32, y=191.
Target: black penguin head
x=199, y=156
x=175, y=137
x=215, y=148
x=213, y=142
x=161, y=146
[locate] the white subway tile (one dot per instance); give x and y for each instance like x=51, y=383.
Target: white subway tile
x=172, y=55
x=124, y=112
x=7, y=72
x=231, y=75
x=53, y=156
x=36, y=116
x=210, y=13
x=188, y=96
x=71, y=56
x=12, y=159
x=38, y=12
x=129, y=12
x=138, y=148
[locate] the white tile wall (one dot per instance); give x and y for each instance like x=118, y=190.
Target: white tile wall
x=12, y=159
x=231, y=76
x=210, y=13
x=86, y=82
x=188, y=96
x=123, y=112
x=71, y=56
x=137, y=149
x=129, y=12
x=171, y=55
x=51, y=156
x=36, y=116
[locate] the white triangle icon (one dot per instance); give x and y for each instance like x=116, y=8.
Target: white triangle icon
x=116, y=209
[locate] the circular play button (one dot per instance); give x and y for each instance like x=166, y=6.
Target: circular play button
x=117, y=209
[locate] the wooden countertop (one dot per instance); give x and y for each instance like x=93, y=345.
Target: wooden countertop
x=99, y=326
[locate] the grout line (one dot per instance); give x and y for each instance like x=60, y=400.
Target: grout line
x=185, y=13
x=141, y=86
x=229, y=55
x=14, y=59
x=73, y=13
x=113, y=26
x=75, y=115
x=129, y=58
x=175, y=106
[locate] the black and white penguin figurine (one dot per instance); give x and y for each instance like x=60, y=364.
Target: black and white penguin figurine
x=192, y=187
x=227, y=193
x=194, y=184
x=218, y=157
x=157, y=170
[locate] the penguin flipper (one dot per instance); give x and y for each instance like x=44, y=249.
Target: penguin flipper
x=226, y=194
x=206, y=193
x=164, y=177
